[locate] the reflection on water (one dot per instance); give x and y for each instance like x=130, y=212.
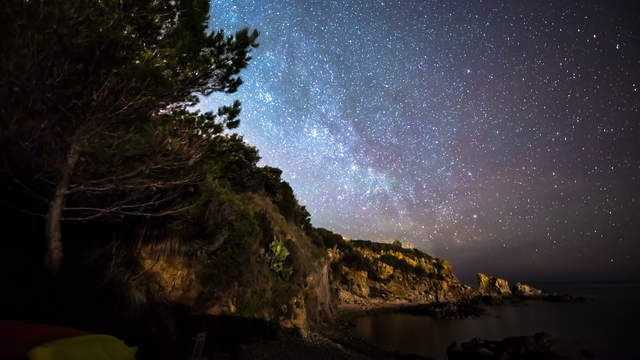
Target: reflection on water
x=608, y=325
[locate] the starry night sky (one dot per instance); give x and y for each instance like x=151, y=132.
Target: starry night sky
x=503, y=136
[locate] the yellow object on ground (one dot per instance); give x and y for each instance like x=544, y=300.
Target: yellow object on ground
x=94, y=347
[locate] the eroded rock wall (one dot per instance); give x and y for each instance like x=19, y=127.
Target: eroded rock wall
x=370, y=274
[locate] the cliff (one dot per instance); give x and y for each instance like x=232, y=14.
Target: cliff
x=260, y=265
x=296, y=276
x=372, y=274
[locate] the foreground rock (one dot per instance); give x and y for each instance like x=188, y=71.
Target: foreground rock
x=536, y=347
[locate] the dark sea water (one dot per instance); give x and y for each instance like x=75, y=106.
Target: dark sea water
x=608, y=325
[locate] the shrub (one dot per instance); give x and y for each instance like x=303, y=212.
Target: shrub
x=402, y=265
x=278, y=259
x=395, y=246
x=328, y=238
x=353, y=259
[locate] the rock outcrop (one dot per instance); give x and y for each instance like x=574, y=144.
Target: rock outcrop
x=525, y=291
x=493, y=286
x=372, y=274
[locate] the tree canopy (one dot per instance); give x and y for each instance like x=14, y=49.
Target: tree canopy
x=98, y=118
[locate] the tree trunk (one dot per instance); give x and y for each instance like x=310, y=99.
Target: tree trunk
x=54, y=247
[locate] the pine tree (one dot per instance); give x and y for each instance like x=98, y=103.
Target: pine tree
x=97, y=117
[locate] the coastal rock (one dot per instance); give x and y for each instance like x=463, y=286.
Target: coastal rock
x=493, y=286
x=371, y=275
x=358, y=283
x=522, y=290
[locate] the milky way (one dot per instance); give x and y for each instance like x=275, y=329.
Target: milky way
x=501, y=135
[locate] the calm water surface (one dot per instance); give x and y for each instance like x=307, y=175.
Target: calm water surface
x=608, y=325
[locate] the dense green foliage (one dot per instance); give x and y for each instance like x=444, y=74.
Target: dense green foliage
x=329, y=238
x=278, y=259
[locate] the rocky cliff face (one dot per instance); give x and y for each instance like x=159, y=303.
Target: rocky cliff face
x=493, y=286
x=372, y=274
x=260, y=265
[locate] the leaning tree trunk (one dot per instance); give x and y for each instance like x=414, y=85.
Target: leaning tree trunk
x=54, y=248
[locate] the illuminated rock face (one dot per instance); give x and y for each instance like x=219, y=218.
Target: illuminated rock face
x=258, y=264
x=522, y=290
x=358, y=283
x=370, y=274
x=493, y=286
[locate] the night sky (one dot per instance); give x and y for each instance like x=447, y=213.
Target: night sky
x=503, y=136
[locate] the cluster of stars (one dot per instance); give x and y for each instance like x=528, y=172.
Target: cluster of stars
x=473, y=130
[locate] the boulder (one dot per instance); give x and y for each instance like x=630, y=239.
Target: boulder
x=493, y=286
x=522, y=290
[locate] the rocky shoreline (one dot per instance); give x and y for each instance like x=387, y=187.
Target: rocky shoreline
x=491, y=292
x=335, y=339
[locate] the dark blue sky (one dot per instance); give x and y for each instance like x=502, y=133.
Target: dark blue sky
x=501, y=135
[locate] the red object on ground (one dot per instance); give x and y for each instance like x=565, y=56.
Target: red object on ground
x=17, y=337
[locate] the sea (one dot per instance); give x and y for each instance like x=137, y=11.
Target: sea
x=606, y=326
